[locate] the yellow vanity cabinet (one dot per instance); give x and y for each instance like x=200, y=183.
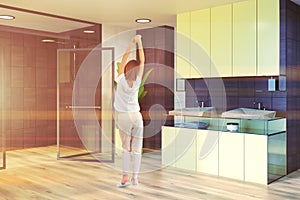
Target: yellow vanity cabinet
x=244, y=38
x=221, y=41
x=231, y=155
x=183, y=66
x=256, y=162
x=168, y=146
x=185, y=149
x=200, y=44
x=268, y=40
x=208, y=151
x=179, y=148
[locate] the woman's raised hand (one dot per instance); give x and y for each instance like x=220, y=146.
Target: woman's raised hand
x=137, y=38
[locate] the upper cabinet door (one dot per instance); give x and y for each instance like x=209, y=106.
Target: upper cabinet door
x=221, y=41
x=183, y=45
x=200, y=44
x=244, y=38
x=268, y=54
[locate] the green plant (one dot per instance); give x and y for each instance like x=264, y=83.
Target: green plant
x=142, y=93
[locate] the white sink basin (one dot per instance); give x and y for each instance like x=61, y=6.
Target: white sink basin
x=197, y=111
x=249, y=113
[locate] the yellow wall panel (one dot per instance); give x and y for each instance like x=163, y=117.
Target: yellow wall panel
x=268, y=37
x=244, y=38
x=221, y=41
x=183, y=45
x=200, y=43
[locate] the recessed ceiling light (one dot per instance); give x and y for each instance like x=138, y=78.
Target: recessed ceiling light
x=48, y=40
x=143, y=20
x=7, y=17
x=89, y=31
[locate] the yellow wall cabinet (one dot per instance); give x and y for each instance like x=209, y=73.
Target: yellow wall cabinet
x=239, y=39
x=200, y=43
x=244, y=38
x=183, y=66
x=221, y=41
x=268, y=52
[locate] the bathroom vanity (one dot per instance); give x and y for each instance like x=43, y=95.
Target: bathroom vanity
x=255, y=152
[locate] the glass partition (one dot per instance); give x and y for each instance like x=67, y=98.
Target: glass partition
x=251, y=126
x=85, y=124
x=276, y=156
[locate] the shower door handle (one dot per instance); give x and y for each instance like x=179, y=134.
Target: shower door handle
x=83, y=107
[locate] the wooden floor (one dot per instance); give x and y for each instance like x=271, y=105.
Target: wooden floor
x=36, y=174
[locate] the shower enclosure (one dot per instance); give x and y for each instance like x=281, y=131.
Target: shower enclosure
x=28, y=98
x=84, y=104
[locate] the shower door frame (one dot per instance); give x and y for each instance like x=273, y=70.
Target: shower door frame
x=75, y=157
x=3, y=108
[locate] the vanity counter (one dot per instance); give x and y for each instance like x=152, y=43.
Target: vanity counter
x=256, y=152
x=248, y=126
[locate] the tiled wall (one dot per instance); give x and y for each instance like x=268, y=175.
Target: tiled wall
x=238, y=92
x=158, y=45
x=30, y=97
x=30, y=85
x=291, y=29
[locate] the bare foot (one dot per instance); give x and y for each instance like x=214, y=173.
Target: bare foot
x=134, y=181
x=124, y=179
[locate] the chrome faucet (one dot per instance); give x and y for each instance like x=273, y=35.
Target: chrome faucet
x=200, y=103
x=258, y=105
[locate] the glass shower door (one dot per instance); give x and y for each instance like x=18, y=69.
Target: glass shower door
x=3, y=109
x=81, y=133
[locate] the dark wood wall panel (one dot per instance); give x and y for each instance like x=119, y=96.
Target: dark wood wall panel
x=158, y=46
x=30, y=83
x=238, y=92
x=293, y=84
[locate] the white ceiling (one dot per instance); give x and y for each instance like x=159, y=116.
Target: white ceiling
x=113, y=12
x=39, y=22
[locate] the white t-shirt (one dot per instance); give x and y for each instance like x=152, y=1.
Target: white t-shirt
x=126, y=98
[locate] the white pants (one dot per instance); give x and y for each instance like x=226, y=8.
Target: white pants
x=130, y=126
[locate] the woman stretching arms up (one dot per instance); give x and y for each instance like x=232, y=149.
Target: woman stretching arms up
x=128, y=117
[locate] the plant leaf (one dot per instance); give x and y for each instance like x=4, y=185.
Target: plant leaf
x=144, y=94
x=146, y=76
x=141, y=91
x=118, y=66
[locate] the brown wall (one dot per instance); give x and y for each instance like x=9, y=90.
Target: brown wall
x=30, y=86
x=158, y=45
x=290, y=12
x=30, y=90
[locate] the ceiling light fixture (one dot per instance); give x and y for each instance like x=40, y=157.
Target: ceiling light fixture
x=89, y=31
x=7, y=17
x=143, y=20
x=48, y=40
